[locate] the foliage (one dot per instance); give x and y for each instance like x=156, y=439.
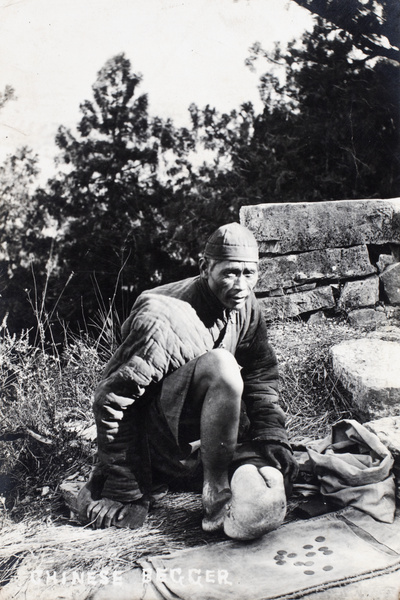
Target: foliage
x=18, y=211
x=373, y=24
x=45, y=410
x=25, y=246
x=131, y=206
x=329, y=129
x=7, y=95
x=339, y=135
x=109, y=202
x=311, y=395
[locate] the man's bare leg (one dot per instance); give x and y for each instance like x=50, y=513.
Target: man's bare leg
x=217, y=383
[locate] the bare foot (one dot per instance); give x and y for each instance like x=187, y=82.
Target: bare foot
x=258, y=502
x=214, y=505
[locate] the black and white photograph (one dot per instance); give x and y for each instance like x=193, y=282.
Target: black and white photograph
x=200, y=300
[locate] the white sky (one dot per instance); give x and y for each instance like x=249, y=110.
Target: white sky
x=187, y=51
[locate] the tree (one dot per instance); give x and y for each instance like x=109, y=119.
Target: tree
x=7, y=95
x=24, y=246
x=374, y=25
x=110, y=202
x=131, y=207
x=18, y=213
x=343, y=118
x=22, y=224
x=329, y=129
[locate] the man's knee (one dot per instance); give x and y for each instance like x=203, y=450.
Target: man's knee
x=218, y=368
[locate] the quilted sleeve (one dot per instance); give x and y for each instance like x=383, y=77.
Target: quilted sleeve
x=261, y=382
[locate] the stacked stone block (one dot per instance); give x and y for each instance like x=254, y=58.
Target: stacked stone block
x=341, y=256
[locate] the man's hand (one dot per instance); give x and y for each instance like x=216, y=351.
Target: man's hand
x=281, y=458
x=102, y=513
x=105, y=513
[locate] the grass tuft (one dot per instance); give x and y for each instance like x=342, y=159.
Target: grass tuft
x=311, y=395
x=46, y=405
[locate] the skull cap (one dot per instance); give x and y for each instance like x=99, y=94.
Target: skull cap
x=232, y=242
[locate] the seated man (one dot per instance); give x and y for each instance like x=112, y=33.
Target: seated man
x=192, y=392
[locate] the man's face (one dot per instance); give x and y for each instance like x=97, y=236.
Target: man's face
x=231, y=281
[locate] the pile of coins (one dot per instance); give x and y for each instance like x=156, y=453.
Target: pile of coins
x=284, y=557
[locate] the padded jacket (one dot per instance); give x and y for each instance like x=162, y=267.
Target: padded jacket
x=169, y=326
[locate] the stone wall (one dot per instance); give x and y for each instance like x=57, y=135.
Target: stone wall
x=328, y=257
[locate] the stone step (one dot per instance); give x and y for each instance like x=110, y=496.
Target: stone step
x=369, y=370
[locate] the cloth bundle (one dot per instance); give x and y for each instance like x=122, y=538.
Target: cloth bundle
x=353, y=468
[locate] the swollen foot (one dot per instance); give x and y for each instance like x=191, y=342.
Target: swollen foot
x=214, y=506
x=258, y=503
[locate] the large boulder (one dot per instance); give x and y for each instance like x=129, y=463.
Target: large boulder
x=330, y=264
x=369, y=369
x=305, y=226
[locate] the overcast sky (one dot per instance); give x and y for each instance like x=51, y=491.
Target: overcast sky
x=187, y=51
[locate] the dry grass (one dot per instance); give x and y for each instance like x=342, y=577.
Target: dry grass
x=65, y=545
x=310, y=393
x=46, y=401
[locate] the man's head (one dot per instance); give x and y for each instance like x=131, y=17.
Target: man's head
x=230, y=264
